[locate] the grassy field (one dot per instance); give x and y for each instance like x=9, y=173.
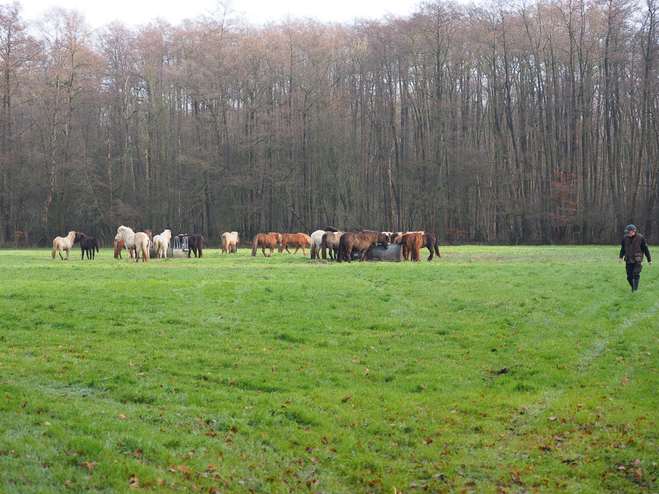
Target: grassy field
x=493, y=369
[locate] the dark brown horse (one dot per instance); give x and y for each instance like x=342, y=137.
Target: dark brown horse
x=296, y=240
x=364, y=242
x=195, y=243
x=88, y=245
x=266, y=241
x=430, y=241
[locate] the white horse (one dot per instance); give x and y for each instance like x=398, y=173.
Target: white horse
x=64, y=244
x=134, y=242
x=161, y=243
x=316, y=241
x=230, y=242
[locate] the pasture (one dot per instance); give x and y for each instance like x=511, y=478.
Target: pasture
x=492, y=369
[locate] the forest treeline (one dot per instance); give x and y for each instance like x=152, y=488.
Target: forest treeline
x=512, y=123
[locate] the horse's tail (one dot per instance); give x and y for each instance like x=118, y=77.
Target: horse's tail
x=96, y=244
x=342, y=249
x=323, y=246
x=312, y=251
x=145, y=252
x=54, y=249
x=437, y=251
x=255, y=246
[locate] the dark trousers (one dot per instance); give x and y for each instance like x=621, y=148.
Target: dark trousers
x=634, y=273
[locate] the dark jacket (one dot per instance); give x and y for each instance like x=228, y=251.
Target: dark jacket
x=633, y=248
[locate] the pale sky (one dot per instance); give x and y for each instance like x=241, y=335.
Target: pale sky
x=134, y=12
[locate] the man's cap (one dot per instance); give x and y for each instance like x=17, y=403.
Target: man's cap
x=630, y=228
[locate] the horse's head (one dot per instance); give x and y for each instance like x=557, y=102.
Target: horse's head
x=383, y=239
x=77, y=236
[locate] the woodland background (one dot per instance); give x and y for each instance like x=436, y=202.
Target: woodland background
x=510, y=122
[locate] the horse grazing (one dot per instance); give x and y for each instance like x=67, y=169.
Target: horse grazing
x=230, y=242
x=161, y=243
x=196, y=244
x=330, y=242
x=430, y=241
x=316, y=242
x=89, y=245
x=266, y=241
x=134, y=242
x=296, y=240
x=64, y=244
x=119, y=245
x=364, y=242
x=411, y=243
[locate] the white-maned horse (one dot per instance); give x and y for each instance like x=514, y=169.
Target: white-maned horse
x=64, y=244
x=161, y=243
x=230, y=242
x=134, y=242
x=316, y=241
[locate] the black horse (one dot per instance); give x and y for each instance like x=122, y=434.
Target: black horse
x=89, y=245
x=195, y=243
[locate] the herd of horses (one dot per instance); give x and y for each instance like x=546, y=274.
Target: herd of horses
x=341, y=246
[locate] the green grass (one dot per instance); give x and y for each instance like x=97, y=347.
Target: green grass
x=493, y=369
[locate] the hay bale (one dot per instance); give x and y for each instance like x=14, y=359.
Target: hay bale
x=394, y=253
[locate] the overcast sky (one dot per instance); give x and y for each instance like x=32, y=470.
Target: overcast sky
x=134, y=12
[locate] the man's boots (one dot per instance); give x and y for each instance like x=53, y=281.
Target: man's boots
x=635, y=284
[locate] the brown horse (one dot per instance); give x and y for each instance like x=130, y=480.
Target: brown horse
x=266, y=241
x=364, y=242
x=430, y=241
x=411, y=243
x=330, y=241
x=296, y=240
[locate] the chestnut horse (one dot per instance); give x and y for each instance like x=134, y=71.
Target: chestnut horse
x=230, y=242
x=266, y=241
x=330, y=242
x=296, y=240
x=411, y=243
x=364, y=242
x=64, y=244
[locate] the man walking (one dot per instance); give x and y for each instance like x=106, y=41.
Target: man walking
x=632, y=249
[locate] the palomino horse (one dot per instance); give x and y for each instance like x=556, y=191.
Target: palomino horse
x=296, y=240
x=64, y=244
x=161, y=243
x=316, y=242
x=364, y=242
x=266, y=241
x=134, y=242
x=411, y=243
x=230, y=242
x=331, y=242
x=89, y=245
